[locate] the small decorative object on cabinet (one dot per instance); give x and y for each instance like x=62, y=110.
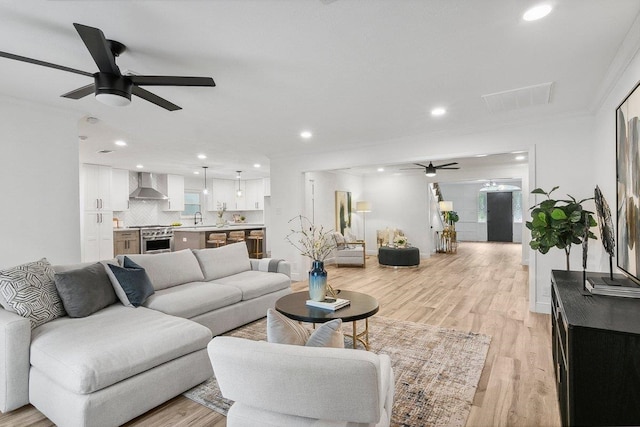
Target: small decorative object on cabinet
x=595, y=345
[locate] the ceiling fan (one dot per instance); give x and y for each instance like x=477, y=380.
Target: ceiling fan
x=431, y=169
x=110, y=85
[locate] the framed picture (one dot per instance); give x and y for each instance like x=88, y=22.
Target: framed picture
x=628, y=184
x=343, y=211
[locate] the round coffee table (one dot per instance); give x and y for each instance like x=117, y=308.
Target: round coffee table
x=362, y=307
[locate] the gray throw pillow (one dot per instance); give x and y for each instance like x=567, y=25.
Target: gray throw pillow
x=30, y=291
x=85, y=290
x=131, y=282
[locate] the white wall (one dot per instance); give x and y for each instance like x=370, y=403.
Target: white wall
x=39, y=184
x=399, y=201
x=605, y=133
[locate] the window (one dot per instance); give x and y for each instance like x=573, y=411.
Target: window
x=191, y=203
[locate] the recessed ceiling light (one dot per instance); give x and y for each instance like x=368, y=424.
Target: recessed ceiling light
x=439, y=111
x=380, y=169
x=121, y=143
x=306, y=134
x=520, y=157
x=537, y=12
x=83, y=137
x=481, y=155
x=256, y=165
x=139, y=166
x=202, y=156
x=196, y=172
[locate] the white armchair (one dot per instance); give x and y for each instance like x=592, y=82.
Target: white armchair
x=349, y=253
x=286, y=385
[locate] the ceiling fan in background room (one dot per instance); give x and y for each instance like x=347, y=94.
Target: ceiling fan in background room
x=431, y=169
x=110, y=86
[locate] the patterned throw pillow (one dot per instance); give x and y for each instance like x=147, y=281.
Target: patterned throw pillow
x=30, y=291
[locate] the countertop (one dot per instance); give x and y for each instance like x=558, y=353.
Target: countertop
x=229, y=227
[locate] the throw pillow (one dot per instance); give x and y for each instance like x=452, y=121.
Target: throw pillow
x=85, y=290
x=340, y=243
x=282, y=330
x=30, y=291
x=131, y=282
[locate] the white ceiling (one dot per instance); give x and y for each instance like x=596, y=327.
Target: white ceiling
x=353, y=72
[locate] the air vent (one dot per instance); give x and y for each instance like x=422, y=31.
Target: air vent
x=105, y=151
x=518, y=98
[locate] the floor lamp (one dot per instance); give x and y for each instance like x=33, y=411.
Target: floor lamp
x=363, y=207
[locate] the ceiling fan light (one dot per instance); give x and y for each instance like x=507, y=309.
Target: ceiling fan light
x=430, y=173
x=114, y=100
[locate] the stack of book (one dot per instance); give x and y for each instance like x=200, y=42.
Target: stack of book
x=616, y=288
x=332, y=304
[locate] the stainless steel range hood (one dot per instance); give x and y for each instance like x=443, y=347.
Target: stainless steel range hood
x=147, y=188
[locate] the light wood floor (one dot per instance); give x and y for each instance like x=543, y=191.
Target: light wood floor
x=483, y=288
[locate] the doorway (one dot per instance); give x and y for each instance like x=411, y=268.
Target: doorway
x=499, y=217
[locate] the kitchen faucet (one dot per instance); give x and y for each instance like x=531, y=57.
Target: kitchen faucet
x=195, y=218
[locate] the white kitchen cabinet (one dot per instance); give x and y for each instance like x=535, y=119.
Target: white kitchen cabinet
x=267, y=187
x=97, y=236
x=222, y=194
x=175, y=191
x=254, y=195
x=120, y=190
x=241, y=201
x=96, y=180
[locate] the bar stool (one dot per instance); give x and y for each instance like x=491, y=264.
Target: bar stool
x=217, y=239
x=235, y=236
x=256, y=237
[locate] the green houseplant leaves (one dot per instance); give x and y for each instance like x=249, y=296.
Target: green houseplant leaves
x=559, y=223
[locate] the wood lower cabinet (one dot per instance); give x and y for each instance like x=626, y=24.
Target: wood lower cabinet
x=126, y=242
x=596, y=354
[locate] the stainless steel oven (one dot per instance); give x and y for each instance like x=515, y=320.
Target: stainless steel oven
x=156, y=239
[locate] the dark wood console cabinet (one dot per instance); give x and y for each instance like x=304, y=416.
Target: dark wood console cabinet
x=596, y=354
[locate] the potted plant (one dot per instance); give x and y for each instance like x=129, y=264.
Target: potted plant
x=559, y=223
x=317, y=244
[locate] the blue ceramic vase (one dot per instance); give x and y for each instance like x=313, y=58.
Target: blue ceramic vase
x=317, y=281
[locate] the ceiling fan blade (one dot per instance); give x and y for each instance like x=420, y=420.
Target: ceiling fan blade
x=447, y=168
x=411, y=169
x=172, y=81
x=43, y=63
x=154, y=99
x=446, y=164
x=422, y=166
x=99, y=48
x=81, y=92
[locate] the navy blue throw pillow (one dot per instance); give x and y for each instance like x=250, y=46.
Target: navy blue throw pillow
x=131, y=283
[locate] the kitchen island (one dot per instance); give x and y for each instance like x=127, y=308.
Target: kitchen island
x=196, y=237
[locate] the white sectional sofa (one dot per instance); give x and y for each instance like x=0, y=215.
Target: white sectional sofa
x=119, y=362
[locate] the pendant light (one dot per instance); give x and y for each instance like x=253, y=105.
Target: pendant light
x=205, y=191
x=239, y=192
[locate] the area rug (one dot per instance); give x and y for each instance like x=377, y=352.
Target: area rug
x=437, y=370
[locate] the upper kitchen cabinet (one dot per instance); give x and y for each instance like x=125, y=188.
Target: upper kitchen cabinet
x=120, y=190
x=175, y=191
x=267, y=187
x=96, y=180
x=254, y=195
x=223, y=195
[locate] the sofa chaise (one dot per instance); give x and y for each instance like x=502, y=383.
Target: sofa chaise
x=117, y=363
